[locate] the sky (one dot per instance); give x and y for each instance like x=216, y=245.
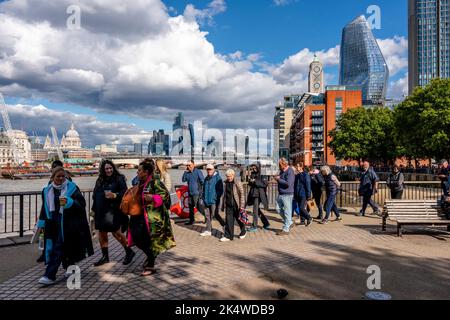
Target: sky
x=131, y=66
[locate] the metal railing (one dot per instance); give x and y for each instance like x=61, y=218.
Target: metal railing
x=19, y=211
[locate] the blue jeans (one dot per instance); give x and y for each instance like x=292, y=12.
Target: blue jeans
x=284, y=209
x=330, y=205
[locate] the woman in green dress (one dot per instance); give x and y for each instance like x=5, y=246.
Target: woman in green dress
x=151, y=231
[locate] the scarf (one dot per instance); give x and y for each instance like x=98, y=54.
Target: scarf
x=51, y=196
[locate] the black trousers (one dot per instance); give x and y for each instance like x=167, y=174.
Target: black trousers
x=232, y=215
x=396, y=194
x=257, y=213
x=304, y=214
x=195, y=202
x=142, y=238
x=318, y=200
x=367, y=200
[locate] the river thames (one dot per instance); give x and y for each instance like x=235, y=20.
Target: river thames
x=85, y=183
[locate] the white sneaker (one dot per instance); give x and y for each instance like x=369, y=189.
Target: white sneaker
x=224, y=239
x=205, y=234
x=46, y=281
x=243, y=236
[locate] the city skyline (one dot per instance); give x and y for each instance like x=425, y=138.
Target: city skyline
x=264, y=71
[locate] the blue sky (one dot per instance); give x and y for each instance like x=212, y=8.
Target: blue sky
x=280, y=31
x=284, y=37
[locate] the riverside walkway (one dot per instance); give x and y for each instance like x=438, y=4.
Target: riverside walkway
x=318, y=262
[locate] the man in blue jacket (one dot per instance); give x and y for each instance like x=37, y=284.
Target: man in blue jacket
x=212, y=192
x=194, y=178
x=302, y=193
x=286, y=180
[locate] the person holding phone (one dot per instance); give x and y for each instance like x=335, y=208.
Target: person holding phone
x=63, y=217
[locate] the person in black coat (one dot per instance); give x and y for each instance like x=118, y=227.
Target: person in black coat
x=63, y=218
x=107, y=196
x=257, y=195
x=317, y=184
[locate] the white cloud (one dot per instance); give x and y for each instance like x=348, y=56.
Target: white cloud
x=395, y=52
x=206, y=15
x=39, y=119
x=398, y=89
x=281, y=3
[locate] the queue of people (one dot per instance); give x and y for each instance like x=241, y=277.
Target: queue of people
x=139, y=216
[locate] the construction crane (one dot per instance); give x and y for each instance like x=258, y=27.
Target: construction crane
x=9, y=131
x=56, y=142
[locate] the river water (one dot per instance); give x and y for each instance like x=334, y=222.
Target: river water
x=85, y=183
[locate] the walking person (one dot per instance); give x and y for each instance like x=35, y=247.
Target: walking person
x=317, y=183
x=443, y=174
x=151, y=231
x=63, y=217
x=164, y=176
x=233, y=202
x=286, y=181
x=302, y=193
x=212, y=192
x=107, y=196
x=55, y=164
x=368, y=188
x=194, y=178
x=257, y=195
x=396, y=182
x=332, y=185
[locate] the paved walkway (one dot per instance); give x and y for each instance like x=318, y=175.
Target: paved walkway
x=319, y=262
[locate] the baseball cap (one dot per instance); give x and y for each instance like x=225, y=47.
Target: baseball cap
x=209, y=166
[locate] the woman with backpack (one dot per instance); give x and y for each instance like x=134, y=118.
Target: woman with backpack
x=395, y=182
x=150, y=230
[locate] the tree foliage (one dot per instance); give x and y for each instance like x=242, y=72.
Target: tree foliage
x=422, y=122
x=365, y=133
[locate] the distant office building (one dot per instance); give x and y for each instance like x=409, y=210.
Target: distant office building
x=80, y=154
x=105, y=148
x=314, y=118
x=6, y=156
x=187, y=129
x=362, y=63
x=428, y=41
x=159, y=144
x=39, y=155
x=282, y=125
x=213, y=148
x=138, y=148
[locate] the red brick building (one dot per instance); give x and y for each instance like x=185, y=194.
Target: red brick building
x=314, y=118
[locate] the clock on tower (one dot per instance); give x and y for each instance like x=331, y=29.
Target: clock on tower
x=316, y=84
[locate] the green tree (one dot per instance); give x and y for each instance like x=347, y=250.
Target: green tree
x=422, y=122
x=365, y=133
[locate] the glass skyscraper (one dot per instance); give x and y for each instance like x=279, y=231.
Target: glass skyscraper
x=429, y=41
x=362, y=63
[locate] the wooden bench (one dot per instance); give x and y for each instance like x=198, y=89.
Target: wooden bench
x=414, y=212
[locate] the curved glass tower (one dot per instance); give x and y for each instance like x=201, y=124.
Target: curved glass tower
x=362, y=62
